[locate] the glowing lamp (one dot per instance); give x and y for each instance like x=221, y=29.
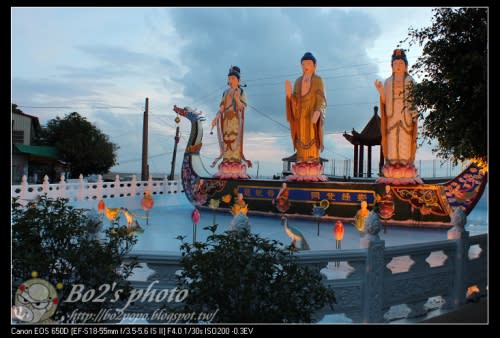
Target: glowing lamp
x=338, y=231
x=195, y=217
x=101, y=206
x=147, y=201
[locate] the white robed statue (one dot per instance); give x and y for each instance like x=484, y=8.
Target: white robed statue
x=230, y=122
x=398, y=124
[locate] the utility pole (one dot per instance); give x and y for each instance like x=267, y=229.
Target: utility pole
x=258, y=165
x=172, y=168
x=145, y=167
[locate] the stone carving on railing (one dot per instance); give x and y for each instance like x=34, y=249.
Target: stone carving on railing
x=458, y=220
x=373, y=224
x=373, y=281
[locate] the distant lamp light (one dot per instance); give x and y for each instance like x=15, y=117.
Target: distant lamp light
x=471, y=290
x=338, y=231
x=195, y=217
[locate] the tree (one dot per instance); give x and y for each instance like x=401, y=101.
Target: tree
x=62, y=245
x=81, y=144
x=249, y=279
x=454, y=86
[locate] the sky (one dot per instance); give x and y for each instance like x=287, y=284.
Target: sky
x=104, y=62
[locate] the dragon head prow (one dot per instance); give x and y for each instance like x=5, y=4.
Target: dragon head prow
x=188, y=112
x=181, y=111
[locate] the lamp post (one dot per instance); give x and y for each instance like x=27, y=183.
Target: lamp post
x=172, y=168
x=147, y=203
x=195, y=217
x=213, y=204
x=320, y=210
x=338, y=233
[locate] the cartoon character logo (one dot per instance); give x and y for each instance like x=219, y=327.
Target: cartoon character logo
x=36, y=301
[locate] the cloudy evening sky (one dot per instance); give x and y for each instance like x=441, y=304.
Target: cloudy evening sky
x=104, y=62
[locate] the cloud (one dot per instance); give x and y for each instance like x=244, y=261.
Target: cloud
x=267, y=44
x=104, y=70
x=48, y=87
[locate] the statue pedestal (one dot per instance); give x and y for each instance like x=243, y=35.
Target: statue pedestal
x=399, y=174
x=307, y=172
x=231, y=170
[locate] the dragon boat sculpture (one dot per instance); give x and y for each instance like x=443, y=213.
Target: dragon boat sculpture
x=422, y=205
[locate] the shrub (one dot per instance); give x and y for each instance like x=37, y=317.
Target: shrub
x=249, y=279
x=61, y=244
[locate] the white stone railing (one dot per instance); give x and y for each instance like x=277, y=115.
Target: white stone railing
x=81, y=190
x=368, y=282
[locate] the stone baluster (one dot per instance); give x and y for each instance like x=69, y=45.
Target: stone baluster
x=62, y=187
x=461, y=236
x=372, y=290
x=81, y=191
x=99, y=187
x=24, y=188
x=133, y=186
x=176, y=186
x=116, y=190
x=419, y=267
x=45, y=185
x=166, y=187
x=150, y=185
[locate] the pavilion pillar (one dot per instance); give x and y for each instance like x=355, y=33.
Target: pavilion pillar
x=369, y=161
x=355, y=160
x=361, y=151
x=381, y=162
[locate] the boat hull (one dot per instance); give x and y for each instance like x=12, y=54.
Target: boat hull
x=420, y=205
x=344, y=199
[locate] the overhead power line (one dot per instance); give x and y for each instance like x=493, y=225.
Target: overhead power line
x=268, y=117
x=78, y=107
x=139, y=159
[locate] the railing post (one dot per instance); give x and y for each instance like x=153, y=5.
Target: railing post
x=99, y=187
x=165, y=185
x=372, y=287
x=62, y=188
x=133, y=186
x=81, y=193
x=178, y=186
x=24, y=188
x=150, y=185
x=461, y=236
x=117, y=186
x=45, y=185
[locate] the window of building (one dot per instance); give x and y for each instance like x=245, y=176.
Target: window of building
x=18, y=136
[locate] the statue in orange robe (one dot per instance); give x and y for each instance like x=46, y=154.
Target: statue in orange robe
x=305, y=111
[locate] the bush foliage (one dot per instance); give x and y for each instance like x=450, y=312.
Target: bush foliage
x=250, y=279
x=61, y=244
